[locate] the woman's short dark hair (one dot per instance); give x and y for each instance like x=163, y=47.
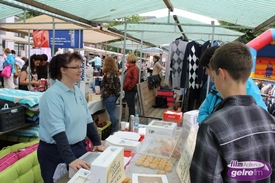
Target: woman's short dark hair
x=62, y=60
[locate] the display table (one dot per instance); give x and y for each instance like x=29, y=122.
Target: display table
x=132, y=168
x=96, y=104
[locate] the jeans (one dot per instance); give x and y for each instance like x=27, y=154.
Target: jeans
x=130, y=99
x=98, y=68
x=110, y=104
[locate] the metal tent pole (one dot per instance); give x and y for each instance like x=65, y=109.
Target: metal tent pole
x=212, y=40
x=122, y=72
x=141, y=45
x=29, y=60
x=53, y=38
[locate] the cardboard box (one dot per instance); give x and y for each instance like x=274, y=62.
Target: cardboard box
x=81, y=176
x=161, y=129
x=88, y=157
x=173, y=116
x=142, y=178
x=108, y=167
x=191, y=117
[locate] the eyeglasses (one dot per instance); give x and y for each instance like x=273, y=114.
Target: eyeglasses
x=75, y=67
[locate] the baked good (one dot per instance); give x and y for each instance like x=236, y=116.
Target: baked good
x=161, y=167
x=145, y=164
x=138, y=162
x=126, y=180
x=162, y=172
x=153, y=166
x=168, y=168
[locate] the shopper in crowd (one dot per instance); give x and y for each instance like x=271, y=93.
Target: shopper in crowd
x=28, y=78
x=157, y=69
x=214, y=97
x=9, y=60
x=97, y=63
x=25, y=59
x=17, y=60
x=239, y=136
x=119, y=63
x=2, y=59
x=157, y=66
x=130, y=82
x=65, y=119
x=43, y=68
x=110, y=88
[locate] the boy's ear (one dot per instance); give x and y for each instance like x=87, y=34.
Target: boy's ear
x=222, y=73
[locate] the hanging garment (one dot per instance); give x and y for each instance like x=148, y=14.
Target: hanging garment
x=189, y=77
x=175, y=57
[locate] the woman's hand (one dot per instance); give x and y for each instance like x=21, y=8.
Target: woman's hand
x=78, y=163
x=100, y=148
x=36, y=83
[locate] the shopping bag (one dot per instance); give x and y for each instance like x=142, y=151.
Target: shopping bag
x=6, y=72
x=154, y=81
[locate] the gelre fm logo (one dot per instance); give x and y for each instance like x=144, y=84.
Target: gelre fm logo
x=249, y=170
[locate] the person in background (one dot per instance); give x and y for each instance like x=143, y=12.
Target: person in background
x=2, y=59
x=157, y=66
x=110, y=88
x=10, y=60
x=214, y=97
x=18, y=61
x=18, y=64
x=30, y=72
x=236, y=142
x=119, y=63
x=42, y=69
x=157, y=69
x=62, y=128
x=97, y=63
x=25, y=59
x=130, y=82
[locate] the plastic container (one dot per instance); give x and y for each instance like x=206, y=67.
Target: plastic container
x=136, y=123
x=11, y=115
x=105, y=131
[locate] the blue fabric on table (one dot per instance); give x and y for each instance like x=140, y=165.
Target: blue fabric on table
x=29, y=131
x=20, y=96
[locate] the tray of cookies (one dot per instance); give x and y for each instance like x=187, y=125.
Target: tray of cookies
x=161, y=147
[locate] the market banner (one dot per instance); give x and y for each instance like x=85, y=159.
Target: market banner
x=63, y=38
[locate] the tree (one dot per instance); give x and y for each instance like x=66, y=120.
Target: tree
x=119, y=21
x=248, y=34
x=29, y=14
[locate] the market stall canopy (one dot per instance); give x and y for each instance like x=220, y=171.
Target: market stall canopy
x=255, y=14
x=99, y=51
x=91, y=35
x=247, y=13
x=160, y=34
x=152, y=50
x=130, y=45
x=8, y=11
x=233, y=11
x=15, y=39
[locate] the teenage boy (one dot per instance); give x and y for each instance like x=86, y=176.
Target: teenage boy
x=236, y=142
x=214, y=97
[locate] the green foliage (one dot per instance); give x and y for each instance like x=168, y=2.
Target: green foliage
x=134, y=18
x=29, y=14
x=248, y=35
